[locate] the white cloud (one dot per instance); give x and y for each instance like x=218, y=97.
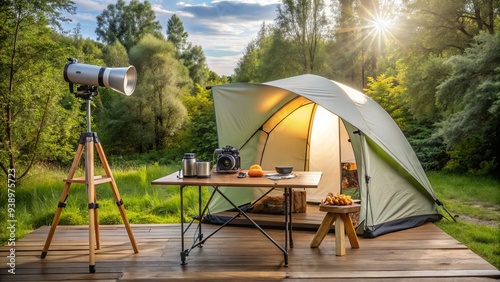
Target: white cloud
x=259, y=2
x=162, y=12
x=223, y=65
x=83, y=16
x=92, y=5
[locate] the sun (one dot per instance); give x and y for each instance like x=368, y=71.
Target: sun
x=382, y=25
x=379, y=31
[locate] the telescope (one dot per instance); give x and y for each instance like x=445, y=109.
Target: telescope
x=90, y=78
x=122, y=80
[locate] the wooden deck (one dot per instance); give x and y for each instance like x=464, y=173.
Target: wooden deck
x=242, y=253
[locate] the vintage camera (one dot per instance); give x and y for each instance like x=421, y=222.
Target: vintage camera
x=228, y=159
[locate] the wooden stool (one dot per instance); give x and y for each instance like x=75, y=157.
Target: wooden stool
x=343, y=224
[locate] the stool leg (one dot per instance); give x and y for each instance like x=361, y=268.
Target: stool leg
x=351, y=233
x=339, y=236
x=323, y=229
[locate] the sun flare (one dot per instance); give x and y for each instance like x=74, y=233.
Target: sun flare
x=382, y=25
x=379, y=30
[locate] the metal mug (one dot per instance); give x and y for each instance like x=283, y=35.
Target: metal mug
x=203, y=169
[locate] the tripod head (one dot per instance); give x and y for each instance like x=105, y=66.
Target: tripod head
x=86, y=92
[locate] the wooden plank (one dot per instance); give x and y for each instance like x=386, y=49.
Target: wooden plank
x=342, y=274
x=243, y=254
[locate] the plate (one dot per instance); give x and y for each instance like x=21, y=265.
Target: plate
x=278, y=176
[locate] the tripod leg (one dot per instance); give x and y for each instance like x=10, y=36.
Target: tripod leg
x=62, y=200
x=116, y=194
x=55, y=221
x=96, y=221
x=89, y=174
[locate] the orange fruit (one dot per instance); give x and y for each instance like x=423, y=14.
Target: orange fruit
x=256, y=166
x=255, y=172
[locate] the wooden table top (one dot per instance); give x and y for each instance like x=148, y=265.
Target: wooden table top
x=304, y=179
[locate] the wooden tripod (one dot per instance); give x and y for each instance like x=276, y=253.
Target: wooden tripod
x=87, y=142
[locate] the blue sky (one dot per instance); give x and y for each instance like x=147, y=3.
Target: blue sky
x=222, y=28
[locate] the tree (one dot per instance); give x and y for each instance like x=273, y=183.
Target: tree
x=30, y=83
x=390, y=95
x=422, y=79
x=449, y=26
x=276, y=51
x=267, y=58
x=127, y=23
x=345, y=46
x=113, y=117
x=195, y=61
x=192, y=55
x=115, y=55
x=434, y=31
x=156, y=104
x=176, y=33
x=199, y=132
x=249, y=67
x=470, y=102
x=304, y=23
x=363, y=35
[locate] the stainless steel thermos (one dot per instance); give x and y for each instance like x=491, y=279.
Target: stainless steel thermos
x=189, y=165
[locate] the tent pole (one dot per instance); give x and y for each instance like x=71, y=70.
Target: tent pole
x=307, y=157
x=367, y=177
x=340, y=153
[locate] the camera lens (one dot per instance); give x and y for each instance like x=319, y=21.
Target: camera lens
x=226, y=162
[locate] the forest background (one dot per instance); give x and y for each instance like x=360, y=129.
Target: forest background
x=433, y=65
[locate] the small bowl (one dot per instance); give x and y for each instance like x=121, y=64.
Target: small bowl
x=284, y=169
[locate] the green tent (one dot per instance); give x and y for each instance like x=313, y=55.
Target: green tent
x=316, y=124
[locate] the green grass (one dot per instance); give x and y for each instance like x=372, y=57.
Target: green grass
x=38, y=195
x=482, y=240
x=476, y=203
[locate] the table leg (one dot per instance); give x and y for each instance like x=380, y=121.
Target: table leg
x=287, y=226
x=241, y=212
x=200, y=215
x=290, y=213
x=183, y=252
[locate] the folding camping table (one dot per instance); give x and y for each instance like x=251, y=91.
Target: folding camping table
x=304, y=179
